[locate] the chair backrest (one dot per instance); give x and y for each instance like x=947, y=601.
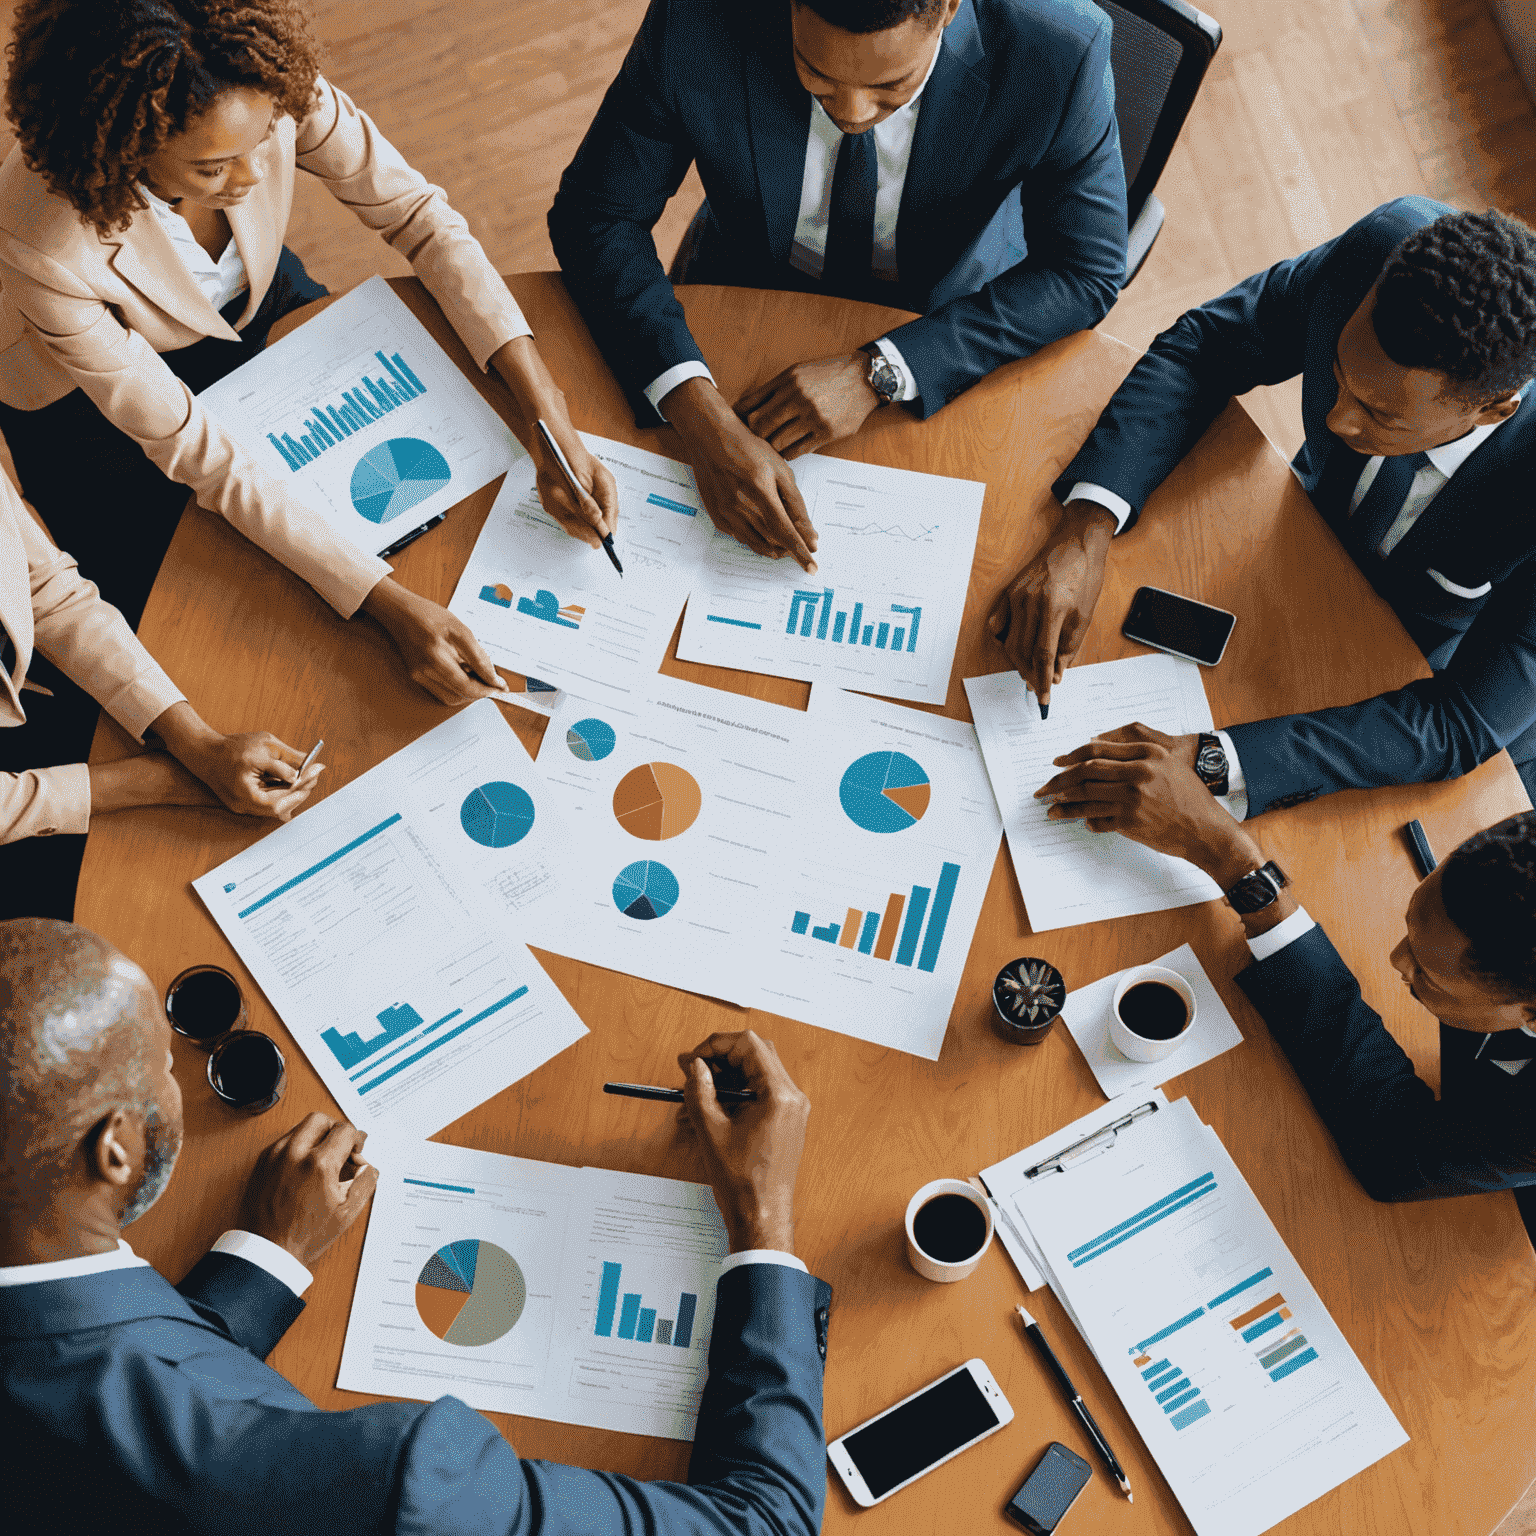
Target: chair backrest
x=1160, y=53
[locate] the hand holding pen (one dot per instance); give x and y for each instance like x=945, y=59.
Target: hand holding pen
x=596, y=513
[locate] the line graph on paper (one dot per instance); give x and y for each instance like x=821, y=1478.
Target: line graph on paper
x=897, y=533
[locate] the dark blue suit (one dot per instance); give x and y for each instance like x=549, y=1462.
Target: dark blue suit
x=1478, y=529
x=132, y=1406
x=1398, y=1141
x=1015, y=137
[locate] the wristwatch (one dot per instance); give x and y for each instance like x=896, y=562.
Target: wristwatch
x=883, y=378
x=1211, y=763
x=1258, y=889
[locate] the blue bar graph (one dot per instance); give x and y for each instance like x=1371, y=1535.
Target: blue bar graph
x=1190, y=1414
x=877, y=928
x=1239, y=1288
x=442, y=1040
x=916, y=908
x=801, y=923
x=368, y=400
x=607, y=1301
x=1272, y=1321
x=811, y=616
x=646, y=1326
x=1305, y=1358
x=405, y=1045
x=637, y=1322
x=351, y=1048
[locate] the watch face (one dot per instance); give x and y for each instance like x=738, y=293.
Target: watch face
x=1212, y=762
x=882, y=377
x=1252, y=893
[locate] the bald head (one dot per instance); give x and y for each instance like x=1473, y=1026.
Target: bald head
x=82, y=1043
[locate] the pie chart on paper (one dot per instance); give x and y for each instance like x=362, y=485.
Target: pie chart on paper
x=885, y=792
x=645, y=890
x=497, y=815
x=470, y=1293
x=591, y=740
x=656, y=801
x=395, y=476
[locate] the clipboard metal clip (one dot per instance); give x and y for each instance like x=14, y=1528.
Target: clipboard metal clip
x=1090, y=1146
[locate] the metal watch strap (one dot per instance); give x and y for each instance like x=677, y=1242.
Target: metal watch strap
x=1258, y=889
x=1211, y=763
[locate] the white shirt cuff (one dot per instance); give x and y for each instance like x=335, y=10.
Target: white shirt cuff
x=658, y=389
x=1083, y=491
x=761, y=1256
x=1236, y=797
x=1267, y=944
x=889, y=352
x=277, y=1262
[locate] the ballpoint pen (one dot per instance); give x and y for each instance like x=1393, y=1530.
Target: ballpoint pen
x=675, y=1095
x=313, y=753
x=575, y=485
x=1076, y=1403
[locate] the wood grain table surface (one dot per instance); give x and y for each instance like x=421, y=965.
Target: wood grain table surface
x=1436, y=1298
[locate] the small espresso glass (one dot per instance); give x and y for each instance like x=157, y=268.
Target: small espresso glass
x=1027, y=997
x=247, y=1071
x=204, y=1004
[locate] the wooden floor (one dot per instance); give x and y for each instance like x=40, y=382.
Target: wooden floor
x=1313, y=113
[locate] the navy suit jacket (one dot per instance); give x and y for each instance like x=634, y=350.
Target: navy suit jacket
x=1015, y=137
x=1398, y=1141
x=133, y=1406
x=1478, y=529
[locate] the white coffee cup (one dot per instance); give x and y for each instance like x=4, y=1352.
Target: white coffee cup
x=925, y=1264
x=1138, y=1047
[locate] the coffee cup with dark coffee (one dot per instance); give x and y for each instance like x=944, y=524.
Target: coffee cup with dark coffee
x=949, y=1227
x=1152, y=1013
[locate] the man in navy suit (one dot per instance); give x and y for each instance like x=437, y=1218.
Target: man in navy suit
x=955, y=157
x=1468, y=955
x=1415, y=336
x=135, y=1406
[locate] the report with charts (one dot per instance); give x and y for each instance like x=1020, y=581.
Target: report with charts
x=388, y=926
x=365, y=419
x=827, y=867
x=574, y=1294
x=882, y=613
x=1247, y=1394
x=546, y=604
x=1068, y=874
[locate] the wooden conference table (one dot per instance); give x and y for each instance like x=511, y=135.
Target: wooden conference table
x=1438, y=1299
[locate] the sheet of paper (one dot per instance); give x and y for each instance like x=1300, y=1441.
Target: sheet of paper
x=881, y=614
x=365, y=419
x=1067, y=874
x=573, y=1294
x=544, y=603
x=1247, y=1394
x=386, y=925
x=1087, y=1012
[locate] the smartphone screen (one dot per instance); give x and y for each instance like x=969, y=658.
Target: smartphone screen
x=1179, y=624
x=909, y=1439
x=1050, y=1490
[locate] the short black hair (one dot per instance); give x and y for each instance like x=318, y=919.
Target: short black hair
x=872, y=15
x=1488, y=886
x=1459, y=297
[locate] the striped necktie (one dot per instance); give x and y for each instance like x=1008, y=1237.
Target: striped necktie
x=851, y=221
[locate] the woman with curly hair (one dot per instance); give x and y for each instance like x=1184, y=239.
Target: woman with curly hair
x=142, y=216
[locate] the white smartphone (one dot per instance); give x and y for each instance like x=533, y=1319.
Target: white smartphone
x=1179, y=625
x=919, y=1433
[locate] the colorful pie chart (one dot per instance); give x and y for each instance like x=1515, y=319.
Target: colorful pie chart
x=884, y=792
x=656, y=801
x=395, y=476
x=591, y=740
x=470, y=1293
x=497, y=815
x=645, y=890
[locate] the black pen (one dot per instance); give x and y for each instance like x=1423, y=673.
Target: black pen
x=675, y=1095
x=576, y=491
x=1076, y=1403
x=1423, y=854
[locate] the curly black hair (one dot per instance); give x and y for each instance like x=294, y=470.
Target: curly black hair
x=96, y=87
x=1488, y=886
x=873, y=15
x=1459, y=297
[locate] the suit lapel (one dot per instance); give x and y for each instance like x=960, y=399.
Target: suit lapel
x=15, y=599
x=779, y=120
x=144, y=257
x=249, y=227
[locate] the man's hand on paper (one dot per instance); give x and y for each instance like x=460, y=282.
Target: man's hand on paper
x=1041, y=617
x=812, y=404
x=439, y=649
x=752, y=1150
x=309, y=1186
x=747, y=489
x=596, y=514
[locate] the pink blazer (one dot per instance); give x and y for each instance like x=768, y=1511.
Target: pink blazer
x=81, y=309
x=47, y=606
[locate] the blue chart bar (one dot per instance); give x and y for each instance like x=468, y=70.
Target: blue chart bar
x=1183, y=1322
x=867, y=933
x=405, y=1045
x=683, y=1334
x=915, y=910
x=453, y=1034
x=811, y=616
x=876, y=927
x=325, y=863
x=1272, y=1321
x=369, y=400
x=1190, y=1414
x=1239, y=1288
x=801, y=923
x=646, y=1326
x=607, y=1301
x=458, y=1189
x=715, y=618
x=949, y=877
x=1305, y=1358
x=1178, y=1388
x=1154, y=1213
x=630, y=1315
x=351, y=1048
x=637, y=1322
x=881, y=636
x=1276, y=1355
x=828, y=934
x=672, y=506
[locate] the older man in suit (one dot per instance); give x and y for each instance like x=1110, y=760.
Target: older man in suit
x=1414, y=333
x=959, y=158
x=133, y=1405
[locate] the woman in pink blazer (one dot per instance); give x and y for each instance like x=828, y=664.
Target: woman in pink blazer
x=142, y=217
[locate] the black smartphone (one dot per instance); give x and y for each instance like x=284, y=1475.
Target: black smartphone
x=1179, y=625
x=1050, y=1490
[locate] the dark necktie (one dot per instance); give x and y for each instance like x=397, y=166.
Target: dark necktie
x=7, y=651
x=1378, y=509
x=851, y=222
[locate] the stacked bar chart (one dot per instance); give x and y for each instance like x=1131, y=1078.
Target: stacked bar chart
x=351, y=1048
x=894, y=931
x=1173, y=1391
x=811, y=616
x=637, y=1322
x=369, y=400
x=433, y=1041
x=1279, y=1349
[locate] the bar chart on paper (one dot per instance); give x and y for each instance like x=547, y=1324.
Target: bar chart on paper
x=369, y=399
x=622, y=1314
x=893, y=930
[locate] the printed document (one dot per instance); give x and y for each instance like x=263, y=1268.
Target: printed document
x=388, y=925
x=1068, y=874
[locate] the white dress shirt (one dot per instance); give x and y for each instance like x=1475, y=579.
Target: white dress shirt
x=277, y=1262
x=893, y=150
x=220, y=280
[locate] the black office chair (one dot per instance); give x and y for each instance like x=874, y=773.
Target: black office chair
x=1160, y=53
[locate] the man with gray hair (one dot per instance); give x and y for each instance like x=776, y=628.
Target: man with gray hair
x=132, y=1404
